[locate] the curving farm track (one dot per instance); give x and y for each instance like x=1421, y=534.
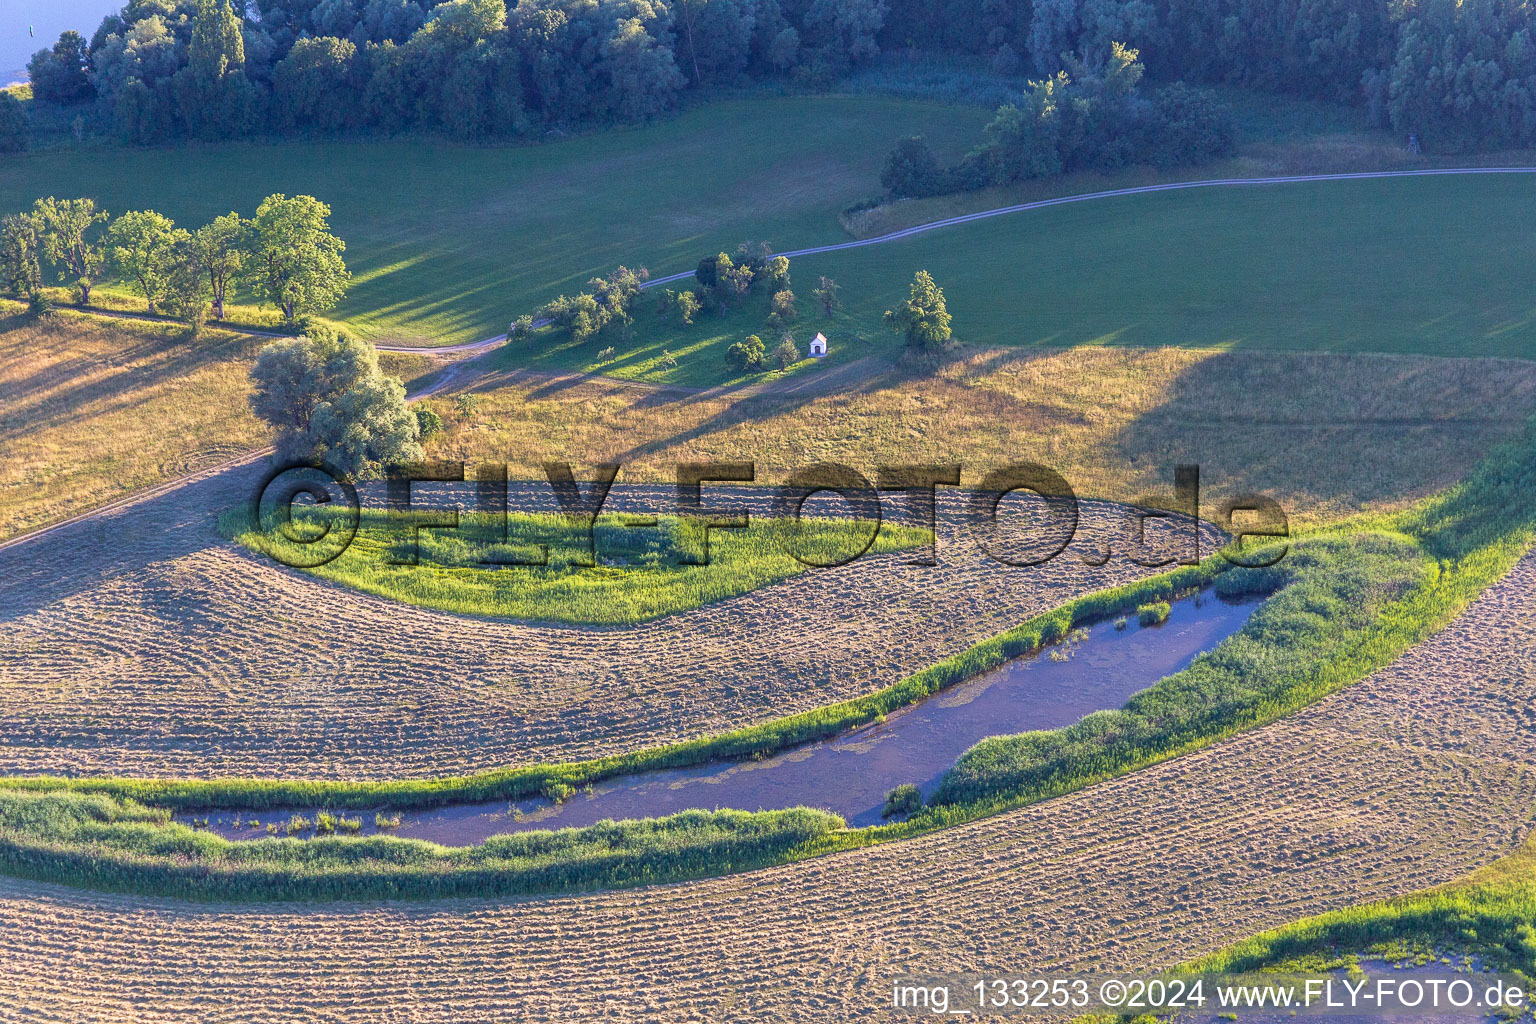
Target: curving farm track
x=1410, y=778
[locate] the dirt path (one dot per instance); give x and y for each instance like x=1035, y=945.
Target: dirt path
x=451, y=374
x=1175, y=186
x=1408, y=779
x=844, y=375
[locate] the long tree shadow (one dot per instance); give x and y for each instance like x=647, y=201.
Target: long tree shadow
x=118, y=544
x=751, y=405
x=140, y=365
x=1341, y=432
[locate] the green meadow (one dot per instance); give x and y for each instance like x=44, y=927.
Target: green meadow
x=1428, y=265
x=448, y=242
x=637, y=573
x=1424, y=266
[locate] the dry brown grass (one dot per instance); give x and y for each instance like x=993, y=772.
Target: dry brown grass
x=1410, y=778
x=409, y=367
x=1329, y=435
x=91, y=410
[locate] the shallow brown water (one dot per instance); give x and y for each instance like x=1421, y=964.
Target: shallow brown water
x=851, y=774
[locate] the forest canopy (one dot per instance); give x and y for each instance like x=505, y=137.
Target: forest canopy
x=1460, y=75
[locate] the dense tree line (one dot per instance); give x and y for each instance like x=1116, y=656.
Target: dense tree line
x=166, y=69
x=1079, y=118
x=1459, y=74
x=284, y=256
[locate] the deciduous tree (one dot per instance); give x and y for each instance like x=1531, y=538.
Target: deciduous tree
x=187, y=289
x=62, y=227
x=826, y=293
x=295, y=262
x=142, y=246
x=328, y=402
x=58, y=75
x=687, y=307
x=219, y=250
x=787, y=352
x=923, y=317
x=15, y=128
x=747, y=354
x=20, y=274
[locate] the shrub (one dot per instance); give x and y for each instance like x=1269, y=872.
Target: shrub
x=1154, y=614
x=428, y=423
x=787, y=353
x=688, y=307
x=912, y=171
x=783, y=305
x=328, y=401
x=747, y=354
x=924, y=316
x=904, y=799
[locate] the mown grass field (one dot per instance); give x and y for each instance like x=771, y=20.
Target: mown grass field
x=639, y=572
x=1488, y=914
x=1349, y=605
x=1270, y=826
x=447, y=242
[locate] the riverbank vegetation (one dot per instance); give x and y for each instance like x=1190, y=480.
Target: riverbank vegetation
x=639, y=572
x=106, y=843
x=1487, y=915
x=1349, y=602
